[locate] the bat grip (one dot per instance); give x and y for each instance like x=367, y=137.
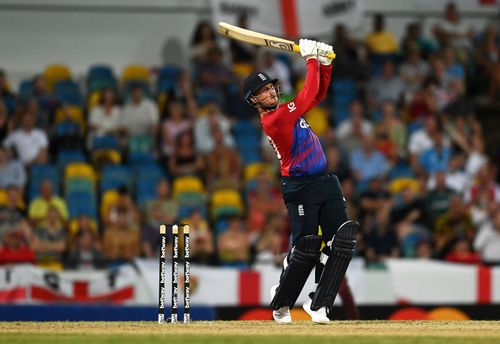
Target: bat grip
x=296, y=49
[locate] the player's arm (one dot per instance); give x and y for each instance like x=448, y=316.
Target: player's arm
x=306, y=96
x=325, y=72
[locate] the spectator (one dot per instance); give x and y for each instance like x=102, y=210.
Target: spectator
x=388, y=86
x=453, y=224
x=413, y=39
x=233, y=244
x=462, y=253
x=413, y=70
x=140, y=115
x=422, y=139
x=408, y=215
x=435, y=158
x=488, y=59
x=105, y=118
x=12, y=211
x=15, y=245
x=11, y=171
x=203, y=40
x=186, y=160
x=438, y=199
x=204, y=128
x=461, y=105
x=423, y=101
x=202, y=241
x=452, y=30
x=263, y=202
x=381, y=240
x=6, y=96
x=214, y=75
x=30, y=144
x=367, y=162
x=47, y=103
x=5, y=125
x=85, y=251
x=50, y=239
x=356, y=119
x=482, y=195
x=122, y=238
x=268, y=246
x=126, y=206
x=393, y=128
x=223, y=164
x=372, y=201
x=174, y=124
x=40, y=206
x=336, y=163
x=164, y=203
x=487, y=240
x=348, y=63
x=453, y=69
x=241, y=52
x=276, y=69
x=381, y=41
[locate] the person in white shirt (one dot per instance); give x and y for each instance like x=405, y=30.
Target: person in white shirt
x=11, y=171
x=30, y=143
x=204, y=140
x=487, y=240
x=422, y=139
x=345, y=128
x=140, y=115
x=105, y=118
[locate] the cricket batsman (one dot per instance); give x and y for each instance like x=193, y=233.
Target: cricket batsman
x=313, y=197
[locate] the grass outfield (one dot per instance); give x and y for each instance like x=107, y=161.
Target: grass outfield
x=262, y=332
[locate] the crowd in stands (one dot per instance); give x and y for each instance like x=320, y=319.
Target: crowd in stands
x=89, y=171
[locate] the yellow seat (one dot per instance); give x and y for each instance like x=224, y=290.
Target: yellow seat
x=73, y=227
x=135, y=72
x=109, y=197
x=226, y=202
x=80, y=170
x=187, y=184
x=400, y=184
x=70, y=112
x=318, y=120
x=93, y=99
x=3, y=199
x=242, y=69
x=103, y=157
x=253, y=170
x=54, y=73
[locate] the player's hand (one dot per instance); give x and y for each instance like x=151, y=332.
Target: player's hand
x=308, y=49
x=323, y=50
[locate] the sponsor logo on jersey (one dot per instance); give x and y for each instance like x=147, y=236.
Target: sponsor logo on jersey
x=291, y=107
x=303, y=124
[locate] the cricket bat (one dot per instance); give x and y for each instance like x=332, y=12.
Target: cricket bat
x=256, y=38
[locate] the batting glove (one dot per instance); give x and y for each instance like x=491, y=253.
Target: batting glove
x=308, y=49
x=323, y=50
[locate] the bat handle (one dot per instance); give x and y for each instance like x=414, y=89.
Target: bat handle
x=330, y=55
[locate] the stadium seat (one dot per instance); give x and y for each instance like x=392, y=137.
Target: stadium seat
x=73, y=226
x=66, y=157
x=100, y=72
x=141, y=158
x=242, y=69
x=105, y=142
x=140, y=143
x=399, y=184
x=167, y=80
x=38, y=173
x=187, y=184
x=54, y=73
x=4, y=201
x=104, y=157
x=317, y=118
x=68, y=92
x=25, y=89
x=73, y=113
x=114, y=177
x=79, y=185
x=108, y=198
x=80, y=170
x=135, y=73
x=81, y=203
x=225, y=203
x=253, y=170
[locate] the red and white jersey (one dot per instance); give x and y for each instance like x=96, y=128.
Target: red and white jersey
x=295, y=143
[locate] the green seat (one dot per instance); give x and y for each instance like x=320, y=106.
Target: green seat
x=140, y=144
x=73, y=185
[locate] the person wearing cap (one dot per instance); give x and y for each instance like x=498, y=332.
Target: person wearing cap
x=313, y=197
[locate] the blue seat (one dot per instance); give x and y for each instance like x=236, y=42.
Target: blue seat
x=132, y=83
x=148, y=171
x=114, y=177
x=100, y=72
x=67, y=128
x=25, y=89
x=167, y=80
x=99, y=84
x=66, y=157
x=401, y=170
x=81, y=203
x=145, y=191
x=206, y=96
x=68, y=92
x=186, y=210
x=250, y=155
x=105, y=142
x=39, y=173
x=139, y=158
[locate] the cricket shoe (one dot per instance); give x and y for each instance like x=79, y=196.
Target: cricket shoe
x=320, y=316
x=281, y=315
